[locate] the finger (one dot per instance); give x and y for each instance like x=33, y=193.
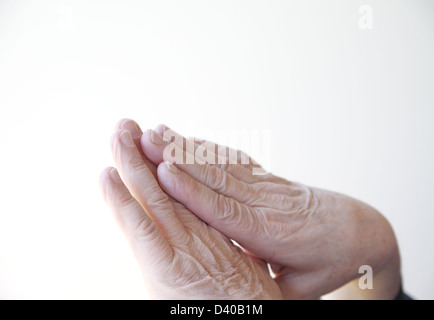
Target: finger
x=236, y=156
x=236, y=161
x=152, y=145
x=132, y=127
x=164, y=144
x=235, y=181
x=232, y=218
x=143, y=186
x=224, y=183
x=202, y=150
x=147, y=242
x=217, y=179
x=136, y=133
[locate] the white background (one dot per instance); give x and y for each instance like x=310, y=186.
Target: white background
x=348, y=109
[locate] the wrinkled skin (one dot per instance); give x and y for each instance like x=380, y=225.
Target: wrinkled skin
x=314, y=240
x=181, y=256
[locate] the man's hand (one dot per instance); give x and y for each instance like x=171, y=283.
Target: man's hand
x=181, y=257
x=314, y=240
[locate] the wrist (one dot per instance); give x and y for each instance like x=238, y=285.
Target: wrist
x=372, y=243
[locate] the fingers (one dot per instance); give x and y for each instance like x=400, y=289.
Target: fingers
x=143, y=186
x=164, y=144
x=232, y=218
x=236, y=156
x=147, y=241
x=224, y=183
x=240, y=159
x=136, y=133
x=152, y=145
x=132, y=127
x=217, y=179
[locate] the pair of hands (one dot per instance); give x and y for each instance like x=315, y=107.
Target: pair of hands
x=179, y=219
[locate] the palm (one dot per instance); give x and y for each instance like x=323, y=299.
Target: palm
x=206, y=264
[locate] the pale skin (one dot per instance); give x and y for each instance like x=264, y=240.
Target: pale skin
x=314, y=240
x=181, y=257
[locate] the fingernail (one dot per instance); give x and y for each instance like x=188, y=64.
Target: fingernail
x=162, y=127
x=132, y=127
x=126, y=139
x=172, y=168
x=157, y=139
x=114, y=176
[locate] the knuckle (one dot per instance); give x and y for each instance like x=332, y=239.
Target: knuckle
x=156, y=198
x=252, y=192
x=124, y=200
x=236, y=215
x=270, y=195
x=136, y=165
x=259, y=222
x=144, y=229
x=225, y=209
x=283, y=202
x=215, y=178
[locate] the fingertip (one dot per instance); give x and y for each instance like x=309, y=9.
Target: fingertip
x=130, y=125
x=178, y=184
x=114, y=176
x=152, y=150
x=120, y=123
x=115, y=136
x=163, y=170
x=145, y=140
x=104, y=176
x=161, y=128
x=115, y=143
x=168, y=174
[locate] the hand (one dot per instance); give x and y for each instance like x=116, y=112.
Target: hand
x=181, y=257
x=315, y=240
